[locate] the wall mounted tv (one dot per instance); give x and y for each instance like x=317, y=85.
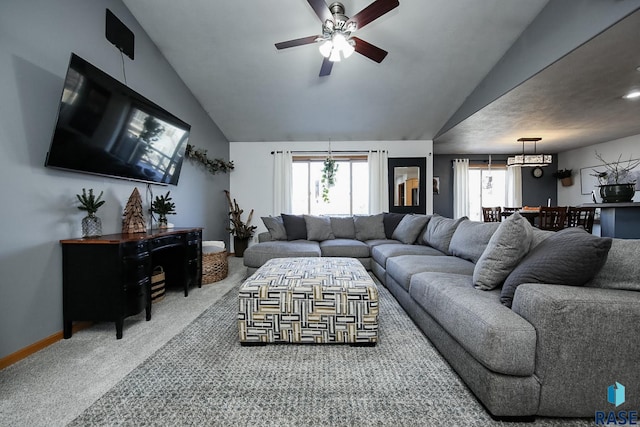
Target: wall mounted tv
x=105, y=128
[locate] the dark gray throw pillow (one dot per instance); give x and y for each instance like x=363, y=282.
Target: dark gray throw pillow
x=275, y=226
x=569, y=257
x=295, y=226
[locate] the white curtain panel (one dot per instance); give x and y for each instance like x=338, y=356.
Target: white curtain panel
x=282, y=162
x=378, y=181
x=460, y=188
x=514, y=186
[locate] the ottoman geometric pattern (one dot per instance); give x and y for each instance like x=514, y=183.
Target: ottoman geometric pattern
x=309, y=300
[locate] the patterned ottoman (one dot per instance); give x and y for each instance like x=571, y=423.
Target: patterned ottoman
x=309, y=300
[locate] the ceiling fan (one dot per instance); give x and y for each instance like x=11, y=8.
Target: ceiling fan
x=336, y=41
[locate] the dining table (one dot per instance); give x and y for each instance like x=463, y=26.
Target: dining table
x=530, y=214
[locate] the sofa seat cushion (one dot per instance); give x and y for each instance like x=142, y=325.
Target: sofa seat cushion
x=402, y=267
x=494, y=335
x=381, y=253
x=344, y=248
x=256, y=255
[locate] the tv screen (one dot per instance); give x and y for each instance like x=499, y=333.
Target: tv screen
x=105, y=128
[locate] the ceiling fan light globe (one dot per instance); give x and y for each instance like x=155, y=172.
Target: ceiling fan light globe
x=335, y=55
x=325, y=48
x=348, y=50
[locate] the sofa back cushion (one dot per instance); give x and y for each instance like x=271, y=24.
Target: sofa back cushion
x=391, y=221
x=470, y=239
x=570, y=257
x=622, y=269
x=508, y=245
x=318, y=228
x=439, y=232
x=275, y=226
x=410, y=228
x=295, y=226
x=369, y=227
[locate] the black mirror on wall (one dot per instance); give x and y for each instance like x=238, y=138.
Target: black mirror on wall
x=407, y=185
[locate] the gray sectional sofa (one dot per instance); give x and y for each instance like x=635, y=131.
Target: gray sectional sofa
x=534, y=322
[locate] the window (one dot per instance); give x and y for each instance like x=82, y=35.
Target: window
x=349, y=195
x=486, y=188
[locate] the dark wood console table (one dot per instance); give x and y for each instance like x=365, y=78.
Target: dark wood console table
x=108, y=278
x=621, y=220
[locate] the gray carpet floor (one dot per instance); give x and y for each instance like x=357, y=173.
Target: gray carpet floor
x=201, y=376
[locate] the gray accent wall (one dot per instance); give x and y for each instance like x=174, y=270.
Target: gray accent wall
x=38, y=203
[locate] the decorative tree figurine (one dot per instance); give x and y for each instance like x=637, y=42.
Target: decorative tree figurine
x=91, y=224
x=163, y=206
x=133, y=218
x=241, y=232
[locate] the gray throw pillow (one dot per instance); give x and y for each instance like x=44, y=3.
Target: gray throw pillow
x=508, y=245
x=275, y=226
x=369, y=227
x=343, y=227
x=439, y=232
x=471, y=238
x=409, y=228
x=570, y=257
x=295, y=226
x=318, y=228
x=391, y=221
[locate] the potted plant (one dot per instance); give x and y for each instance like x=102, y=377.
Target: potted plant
x=616, y=182
x=240, y=230
x=163, y=206
x=329, y=170
x=565, y=176
x=91, y=224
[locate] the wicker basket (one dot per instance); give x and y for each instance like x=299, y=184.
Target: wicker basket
x=214, y=266
x=157, y=285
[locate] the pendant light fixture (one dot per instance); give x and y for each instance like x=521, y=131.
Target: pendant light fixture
x=530, y=160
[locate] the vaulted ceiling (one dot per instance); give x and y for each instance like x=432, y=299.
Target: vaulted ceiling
x=439, y=52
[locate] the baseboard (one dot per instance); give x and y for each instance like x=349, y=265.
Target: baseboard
x=39, y=345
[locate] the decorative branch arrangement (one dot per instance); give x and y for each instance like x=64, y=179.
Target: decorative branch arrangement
x=213, y=166
x=239, y=229
x=618, y=172
x=90, y=203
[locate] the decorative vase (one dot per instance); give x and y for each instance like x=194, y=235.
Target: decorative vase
x=162, y=222
x=240, y=245
x=91, y=226
x=617, y=193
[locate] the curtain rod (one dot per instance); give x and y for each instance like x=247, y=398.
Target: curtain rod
x=332, y=151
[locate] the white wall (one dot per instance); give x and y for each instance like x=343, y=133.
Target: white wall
x=38, y=203
x=252, y=180
x=585, y=158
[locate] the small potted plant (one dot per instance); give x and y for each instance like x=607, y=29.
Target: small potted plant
x=240, y=230
x=565, y=176
x=163, y=206
x=329, y=170
x=616, y=181
x=91, y=224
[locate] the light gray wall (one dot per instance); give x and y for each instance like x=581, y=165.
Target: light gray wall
x=561, y=26
x=38, y=206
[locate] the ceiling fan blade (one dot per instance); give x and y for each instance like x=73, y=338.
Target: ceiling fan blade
x=296, y=42
x=321, y=9
x=374, y=11
x=370, y=51
x=325, y=70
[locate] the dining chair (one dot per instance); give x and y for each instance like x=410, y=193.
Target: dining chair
x=492, y=214
x=552, y=217
x=581, y=217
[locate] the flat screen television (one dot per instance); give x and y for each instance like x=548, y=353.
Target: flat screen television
x=105, y=128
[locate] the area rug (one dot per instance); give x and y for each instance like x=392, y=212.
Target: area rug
x=203, y=377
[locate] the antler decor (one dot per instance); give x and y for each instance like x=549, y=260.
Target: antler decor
x=239, y=228
x=213, y=166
